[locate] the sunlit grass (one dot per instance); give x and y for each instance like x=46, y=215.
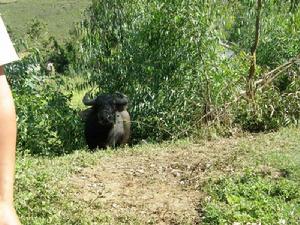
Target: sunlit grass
x=58, y=15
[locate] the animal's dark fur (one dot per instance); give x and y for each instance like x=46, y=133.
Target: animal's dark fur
x=107, y=122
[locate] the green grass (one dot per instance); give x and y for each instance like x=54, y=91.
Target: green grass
x=58, y=15
x=39, y=199
x=262, y=185
x=252, y=198
x=267, y=191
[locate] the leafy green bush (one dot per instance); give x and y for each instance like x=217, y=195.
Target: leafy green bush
x=271, y=109
x=169, y=58
x=253, y=199
x=47, y=125
x=279, y=39
x=165, y=55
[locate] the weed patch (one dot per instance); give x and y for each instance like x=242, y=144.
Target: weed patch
x=252, y=198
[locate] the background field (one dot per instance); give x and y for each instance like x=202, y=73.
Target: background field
x=58, y=15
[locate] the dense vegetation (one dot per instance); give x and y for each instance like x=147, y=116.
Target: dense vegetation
x=183, y=64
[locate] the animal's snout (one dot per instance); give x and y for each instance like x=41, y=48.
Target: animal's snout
x=106, y=117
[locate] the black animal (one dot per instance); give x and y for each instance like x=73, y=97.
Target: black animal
x=107, y=122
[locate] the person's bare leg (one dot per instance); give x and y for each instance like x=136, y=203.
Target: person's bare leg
x=7, y=153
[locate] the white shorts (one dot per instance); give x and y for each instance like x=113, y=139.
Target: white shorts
x=7, y=51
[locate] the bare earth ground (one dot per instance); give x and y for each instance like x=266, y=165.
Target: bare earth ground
x=161, y=186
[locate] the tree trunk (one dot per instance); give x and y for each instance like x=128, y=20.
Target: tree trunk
x=250, y=81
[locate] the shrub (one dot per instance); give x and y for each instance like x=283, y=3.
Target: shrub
x=169, y=58
x=279, y=39
x=47, y=125
x=165, y=55
x=271, y=109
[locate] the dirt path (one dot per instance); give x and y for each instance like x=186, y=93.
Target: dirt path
x=161, y=186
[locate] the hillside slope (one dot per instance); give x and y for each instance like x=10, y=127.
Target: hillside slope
x=148, y=184
x=58, y=15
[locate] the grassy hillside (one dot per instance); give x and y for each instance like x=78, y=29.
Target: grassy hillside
x=245, y=179
x=170, y=183
x=59, y=15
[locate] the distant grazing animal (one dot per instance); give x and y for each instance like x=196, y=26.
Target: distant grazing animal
x=107, y=121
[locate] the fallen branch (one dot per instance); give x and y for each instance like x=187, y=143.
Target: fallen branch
x=270, y=76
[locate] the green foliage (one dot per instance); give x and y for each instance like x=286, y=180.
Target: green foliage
x=47, y=125
x=165, y=56
x=180, y=62
x=271, y=109
x=279, y=34
x=279, y=39
x=168, y=57
x=253, y=199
